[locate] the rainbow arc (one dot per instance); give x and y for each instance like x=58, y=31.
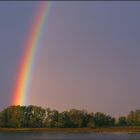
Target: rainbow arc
x=28, y=55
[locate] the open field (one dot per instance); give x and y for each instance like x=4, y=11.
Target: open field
x=130, y=129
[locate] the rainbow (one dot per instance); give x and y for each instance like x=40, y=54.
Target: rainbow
x=26, y=65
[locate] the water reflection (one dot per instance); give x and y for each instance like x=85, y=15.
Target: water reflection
x=68, y=136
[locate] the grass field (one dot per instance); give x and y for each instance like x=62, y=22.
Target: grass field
x=131, y=129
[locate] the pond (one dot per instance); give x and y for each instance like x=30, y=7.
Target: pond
x=67, y=136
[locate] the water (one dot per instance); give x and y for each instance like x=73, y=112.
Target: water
x=68, y=136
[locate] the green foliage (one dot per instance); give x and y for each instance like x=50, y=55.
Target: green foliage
x=21, y=116
x=52, y=118
x=65, y=120
x=10, y=117
x=133, y=118
x=37, y=117
x=122, y=121
x=91, y=124
x=102, y=119
x=34, y=116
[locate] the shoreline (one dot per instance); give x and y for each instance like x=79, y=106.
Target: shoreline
x=129, y=129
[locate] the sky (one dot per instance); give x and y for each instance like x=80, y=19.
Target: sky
x=88, y=58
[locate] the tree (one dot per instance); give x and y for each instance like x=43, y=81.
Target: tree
x=52, y=118
x=122, y=121
x=133, y=118
x=102, y=119
x=34, y=116
x=10, y=117
x=76, y=117
x=64, y=120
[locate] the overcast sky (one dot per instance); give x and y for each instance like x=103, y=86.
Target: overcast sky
x=88, y=58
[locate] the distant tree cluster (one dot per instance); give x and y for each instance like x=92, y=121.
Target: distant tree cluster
x=38, y=117
x=132, y=119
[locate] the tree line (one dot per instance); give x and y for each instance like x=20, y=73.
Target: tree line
x=38, y=117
